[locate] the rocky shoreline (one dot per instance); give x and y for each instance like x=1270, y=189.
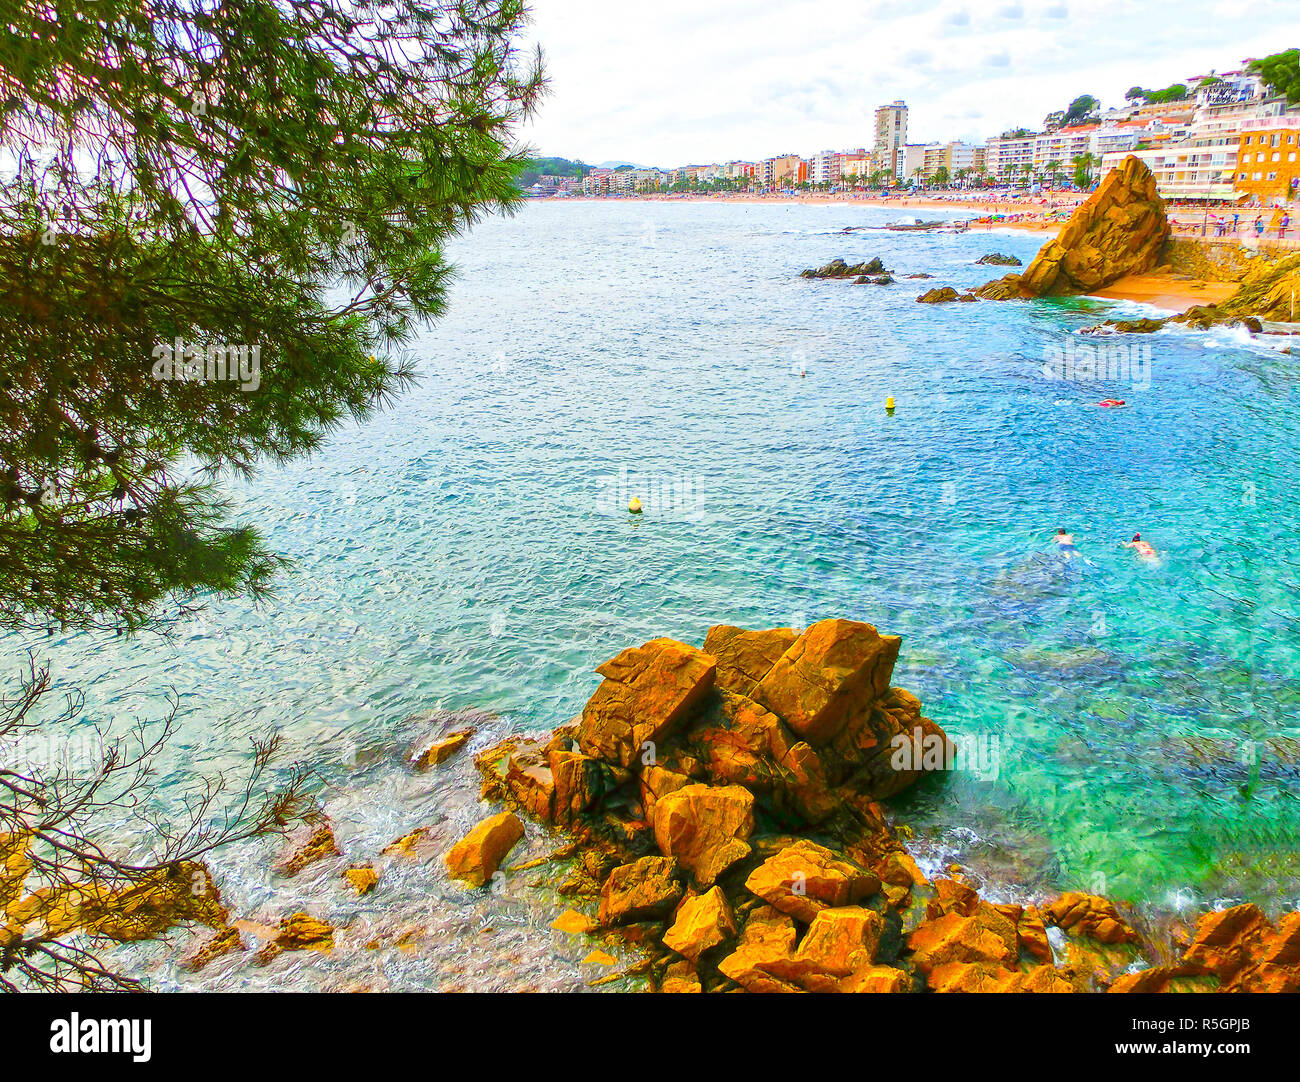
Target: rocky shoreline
x=715, y=820
x=723, y=809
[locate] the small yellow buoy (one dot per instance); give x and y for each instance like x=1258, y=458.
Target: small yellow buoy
x=889, y=404
x=634, y=506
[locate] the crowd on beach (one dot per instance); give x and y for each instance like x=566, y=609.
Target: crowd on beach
x=1251, y=223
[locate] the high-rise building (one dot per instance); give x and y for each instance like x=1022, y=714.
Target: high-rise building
x=891, y=137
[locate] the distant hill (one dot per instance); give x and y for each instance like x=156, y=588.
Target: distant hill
x=550, y=167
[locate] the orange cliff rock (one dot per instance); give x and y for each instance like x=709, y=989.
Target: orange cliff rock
x=1120, y=229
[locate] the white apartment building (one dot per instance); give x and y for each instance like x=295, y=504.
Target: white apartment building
x=824, y=168
x=1062, y=147
x=891, y=137
x=1008, y=155
x=860, y=166
x=912, y=158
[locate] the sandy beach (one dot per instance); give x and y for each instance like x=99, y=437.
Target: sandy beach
x=1173, y=292
x=1038, y=213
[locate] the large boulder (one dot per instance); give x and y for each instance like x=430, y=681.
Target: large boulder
x=645, y=889
x=745, y=657
x=1268, y=291
x=705, y=828
x=647, y=693
x=985, y=938
x=825, y=673
x=838, y=268
x=805, y=878
x=735, y=741
x=939, y=295
x=700, y=924
x=1120, y=229
x=767, y=939
x=1091, y=916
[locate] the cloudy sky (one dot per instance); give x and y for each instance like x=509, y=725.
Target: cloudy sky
x=677, y=81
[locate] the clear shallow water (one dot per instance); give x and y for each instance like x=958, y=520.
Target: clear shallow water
x=469, y=549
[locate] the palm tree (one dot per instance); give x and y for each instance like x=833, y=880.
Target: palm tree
x=1083, y=167
x=1053, y=172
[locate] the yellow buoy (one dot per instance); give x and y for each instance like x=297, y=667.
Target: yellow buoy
x=889, y=404
x=634, y=505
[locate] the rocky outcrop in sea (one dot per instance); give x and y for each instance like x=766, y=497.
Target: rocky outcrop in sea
x=838, y=268
x=724, y=814
x=1120, y=229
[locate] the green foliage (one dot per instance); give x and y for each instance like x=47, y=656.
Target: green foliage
x=1083, y=167
x=1084, y=106
x=1281, y=73
x=535, y=168
x=269, y=175
x=1175, y=92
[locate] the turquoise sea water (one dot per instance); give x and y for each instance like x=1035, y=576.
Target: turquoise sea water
x=470, y=548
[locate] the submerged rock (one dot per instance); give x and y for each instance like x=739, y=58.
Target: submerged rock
x=442, y=748
x=1120, y=229
x=1126, y=326
x=997, y=259
x=319, y=846
x=939, y=295
x=298, y=932
x=361, y=877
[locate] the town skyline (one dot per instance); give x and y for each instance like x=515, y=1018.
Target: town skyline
x=808, y=77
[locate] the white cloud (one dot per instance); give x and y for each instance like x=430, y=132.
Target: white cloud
x=706, y=80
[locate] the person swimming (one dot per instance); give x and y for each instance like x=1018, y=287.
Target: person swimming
x=1142, y=548
x=1065, y=543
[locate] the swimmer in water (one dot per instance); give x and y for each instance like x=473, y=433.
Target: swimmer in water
x=1065, y=544
x=1142, y=548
